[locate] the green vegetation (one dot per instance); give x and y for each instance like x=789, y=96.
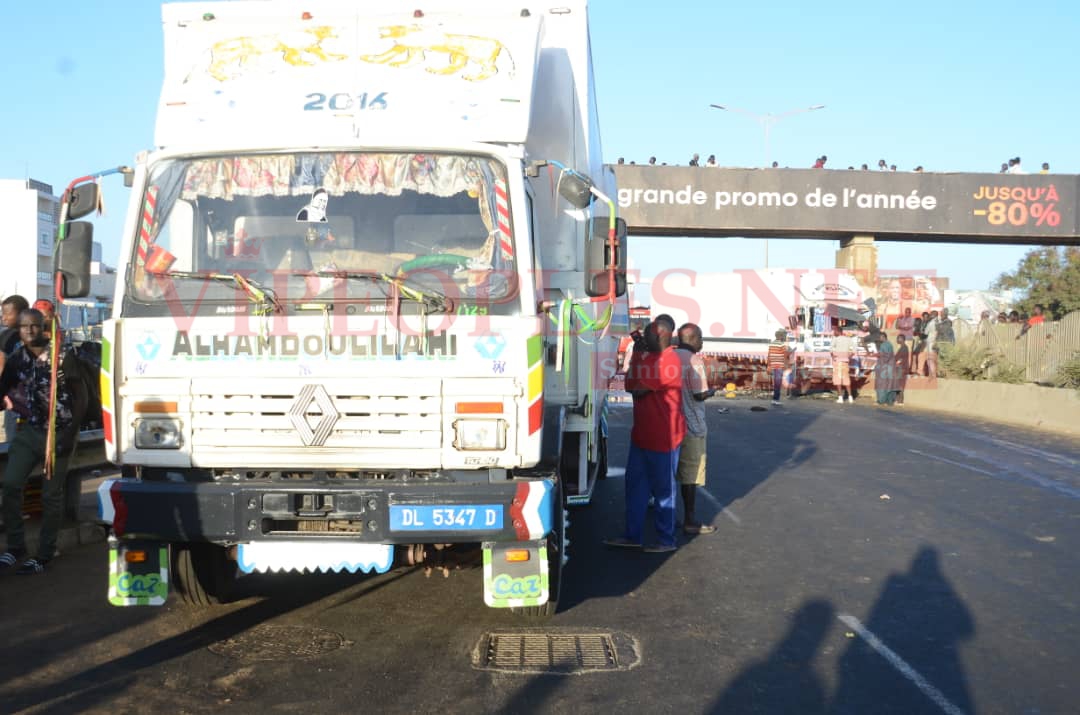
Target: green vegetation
x=968, y=361
x=1049, y=276
x=1068, y=375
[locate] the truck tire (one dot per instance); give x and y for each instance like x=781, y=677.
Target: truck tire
x=556, y=547
x=202, y=574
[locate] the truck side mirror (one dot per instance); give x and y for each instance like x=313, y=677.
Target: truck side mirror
x=73, y=259
x=598, y=257
x=575, y=188
x=82, y=200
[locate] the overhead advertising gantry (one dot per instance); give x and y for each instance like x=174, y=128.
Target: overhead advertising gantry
x=835, y=204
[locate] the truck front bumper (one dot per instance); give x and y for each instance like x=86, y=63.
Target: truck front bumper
x=237, y=512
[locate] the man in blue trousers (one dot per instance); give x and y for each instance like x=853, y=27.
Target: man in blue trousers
x=655, y=381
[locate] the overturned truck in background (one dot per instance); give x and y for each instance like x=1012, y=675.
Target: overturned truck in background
x=740, y=312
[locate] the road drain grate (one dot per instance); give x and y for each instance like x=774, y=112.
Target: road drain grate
x=270, y=641
x=557, y=652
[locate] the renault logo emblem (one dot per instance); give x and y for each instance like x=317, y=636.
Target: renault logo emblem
x=313, y=404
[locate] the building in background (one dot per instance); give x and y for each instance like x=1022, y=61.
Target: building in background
x=30, y=212
x=969, y=305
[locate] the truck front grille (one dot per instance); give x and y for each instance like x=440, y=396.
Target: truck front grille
x=329, y=414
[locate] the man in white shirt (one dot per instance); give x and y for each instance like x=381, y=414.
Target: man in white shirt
x=842, y=349
x=691, y=470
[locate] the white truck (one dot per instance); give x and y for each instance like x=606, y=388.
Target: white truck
x=369, y=266
x=740, y=312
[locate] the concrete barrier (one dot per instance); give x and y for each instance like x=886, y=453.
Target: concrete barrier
x=1028, y=405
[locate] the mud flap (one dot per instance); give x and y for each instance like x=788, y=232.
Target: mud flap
x=513, y=584
x=138, y=572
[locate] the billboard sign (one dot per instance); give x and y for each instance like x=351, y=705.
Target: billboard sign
x=824, y=203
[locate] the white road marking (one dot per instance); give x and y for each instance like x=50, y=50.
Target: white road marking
x=716, y=503
x=1034, y=452
x=620, y=472
x=955, y=464
x=1027, y=474
x=1004, y=470
x=900, y=664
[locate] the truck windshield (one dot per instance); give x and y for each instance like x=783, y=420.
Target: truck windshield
x=306, y=225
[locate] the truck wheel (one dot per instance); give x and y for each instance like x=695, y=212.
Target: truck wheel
x=556, y=547
x=202, y=574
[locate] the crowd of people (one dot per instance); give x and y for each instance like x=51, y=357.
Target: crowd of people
x=25, y=396
x=1037, y=317
x=1012, y=166
x=915, y=353
x=667, y=381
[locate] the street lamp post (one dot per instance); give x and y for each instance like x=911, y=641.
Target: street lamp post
x=767, y=121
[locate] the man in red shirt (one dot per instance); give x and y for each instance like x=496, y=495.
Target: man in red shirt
x=1037, y=318
x=655, y=380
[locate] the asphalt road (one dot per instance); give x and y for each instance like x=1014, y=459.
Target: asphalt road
x=867, y=561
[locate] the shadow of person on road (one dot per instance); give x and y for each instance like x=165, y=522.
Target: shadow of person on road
x=596, y=570
x=785, y=682
x=747, y=447
x=736, y=464
x=907, y=658
x=535, y=695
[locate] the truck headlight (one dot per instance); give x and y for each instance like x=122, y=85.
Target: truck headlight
x=480, y=434
x=157, y=433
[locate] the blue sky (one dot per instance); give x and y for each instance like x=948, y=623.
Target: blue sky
x=953, y=86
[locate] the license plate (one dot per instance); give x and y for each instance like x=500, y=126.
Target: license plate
x=462, y=517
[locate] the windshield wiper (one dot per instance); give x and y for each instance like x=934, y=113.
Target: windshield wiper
x=263, y=297
x=433, y=300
